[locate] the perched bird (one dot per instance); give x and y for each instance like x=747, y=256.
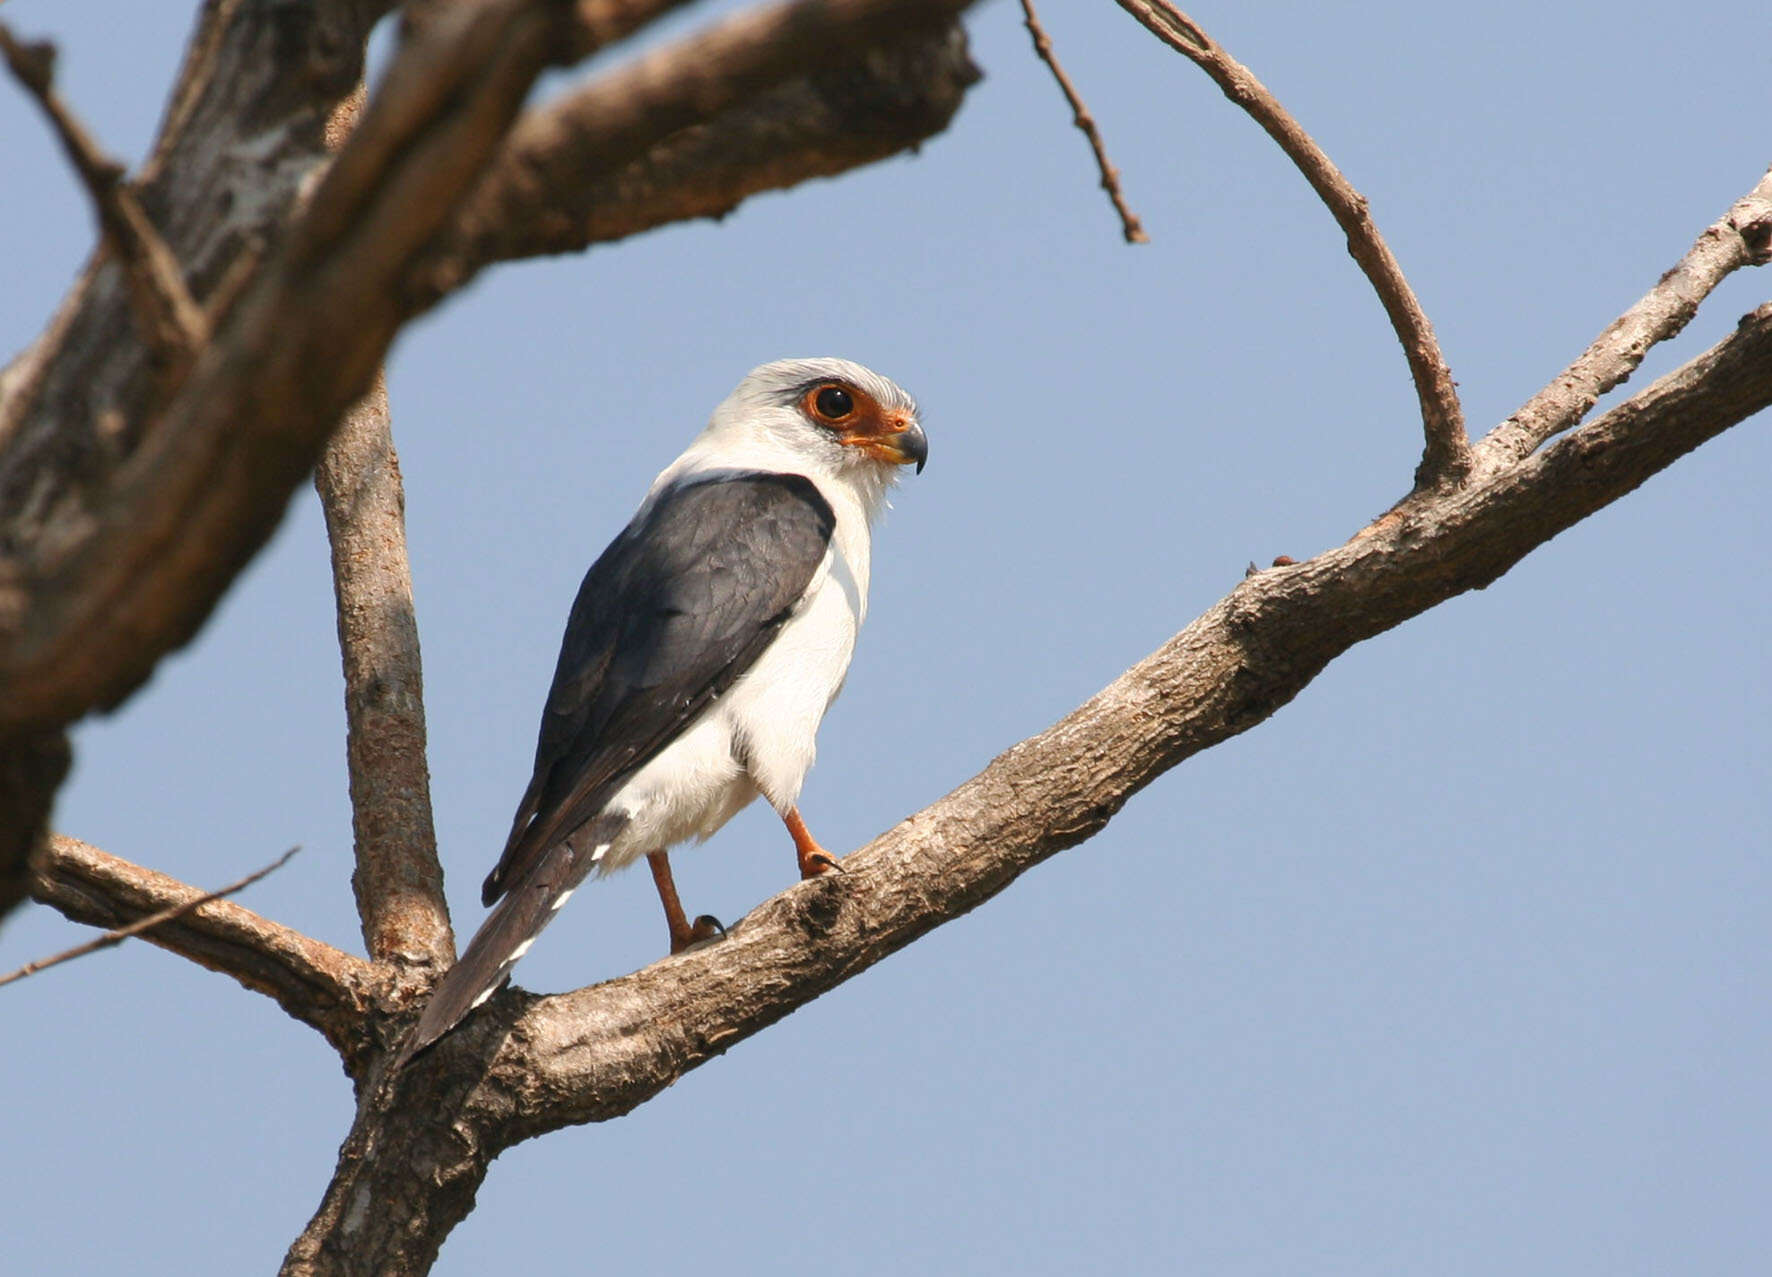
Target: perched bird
x=701, y=653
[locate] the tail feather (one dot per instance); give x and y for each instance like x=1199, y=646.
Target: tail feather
x=507, y=933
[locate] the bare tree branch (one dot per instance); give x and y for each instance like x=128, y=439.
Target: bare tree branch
x=524, y=1066
x=1229, y=670
x=117, y=935
x=1446, y=457
x=172, y=323
x=398, y=881
x=1130, y=226
x=315, y=983
x=550, y=186
x=1741, y=237
x=242, y=136
x=846, y=112
x=206, y=487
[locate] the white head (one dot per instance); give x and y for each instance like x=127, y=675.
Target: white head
x=829, y=419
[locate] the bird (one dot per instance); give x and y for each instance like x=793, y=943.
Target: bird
x=700, y=655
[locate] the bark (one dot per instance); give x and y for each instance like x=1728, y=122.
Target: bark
x=557, y=187
x=398, y=881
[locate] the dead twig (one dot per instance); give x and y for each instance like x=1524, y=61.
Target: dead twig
x=173, y=324
x=1130, y=226
x=315, y=983
x=1446, y=455
x=118, y=935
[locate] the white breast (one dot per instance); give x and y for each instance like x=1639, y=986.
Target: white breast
x=761, y=736
x=775, y=709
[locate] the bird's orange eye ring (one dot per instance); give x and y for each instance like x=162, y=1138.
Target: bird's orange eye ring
x=830, y=403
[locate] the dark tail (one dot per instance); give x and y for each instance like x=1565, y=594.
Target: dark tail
x=508, y=932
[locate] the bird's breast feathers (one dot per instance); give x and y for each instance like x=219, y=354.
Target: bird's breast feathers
x=757, y=738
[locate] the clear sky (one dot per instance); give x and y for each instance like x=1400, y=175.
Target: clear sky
x=1457, y=965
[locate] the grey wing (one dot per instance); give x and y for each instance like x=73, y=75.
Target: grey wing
x=670, y=616
x=673, y=612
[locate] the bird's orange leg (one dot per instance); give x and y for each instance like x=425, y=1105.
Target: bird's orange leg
x=683, y=932
x=814, y=860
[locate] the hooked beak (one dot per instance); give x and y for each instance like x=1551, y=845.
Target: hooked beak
x=909, y=445
x=893, y=436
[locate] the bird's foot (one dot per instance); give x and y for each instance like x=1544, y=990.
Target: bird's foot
x=705, y=928
x=819, y=861
x=814, y=860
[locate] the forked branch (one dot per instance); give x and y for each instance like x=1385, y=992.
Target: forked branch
x=1446, y=455
x=173, y=324
x=1740, y=237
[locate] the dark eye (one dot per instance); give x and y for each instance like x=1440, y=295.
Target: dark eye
x=833, y=403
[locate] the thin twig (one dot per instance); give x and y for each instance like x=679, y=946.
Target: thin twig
x=1446, y=456
x=1130, y=226
x=174, y=325
x=1740, y=237
x=118, y=935
x=317, y=984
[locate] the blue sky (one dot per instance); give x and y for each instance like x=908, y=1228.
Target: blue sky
x=1457, y=965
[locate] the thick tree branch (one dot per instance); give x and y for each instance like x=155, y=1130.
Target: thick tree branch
x=205, y=488
x=1130, y=226
x=604, y=1049
x=317, y=984
x=524, y=1065
x=845, y=113
x=170, y=320
x=1741, y=237
x=243, y=132
x=695, y=127
x=1446, y=456
x=398, y=881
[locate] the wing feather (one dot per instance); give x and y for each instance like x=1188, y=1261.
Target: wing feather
x=678, y=607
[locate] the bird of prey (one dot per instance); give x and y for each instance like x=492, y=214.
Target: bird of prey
x=702, y=651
